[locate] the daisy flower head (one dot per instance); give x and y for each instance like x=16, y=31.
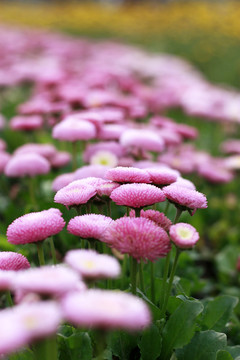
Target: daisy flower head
x=92, y=265
x=185, y=198
x=137, y=195
x=139, y=237
x=89, y=226
x=183, y=235
x=10, y=260
x=35, y=226
x=30, y=164
x=75, y=194
x=128, y=175
x=106, y=310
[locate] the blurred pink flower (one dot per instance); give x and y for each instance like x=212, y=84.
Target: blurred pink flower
x=36, y=226
x=139, y=237
x=26, y=165
x=26, y=123
x=143, y=139
x=137, y=195
x=4, y=159
x=92, y=265
x=97, y=171
x=61, y=181
x=73, y=130
x=60, y=159
x=45, y=150
x=161, y=176
x=106, y=310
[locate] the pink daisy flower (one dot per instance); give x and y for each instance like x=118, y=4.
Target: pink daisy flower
x=162, y=176
x=89, y=226
x=6, y=279
x=97, y=171
x=26, y=165
x=185, y=183
x=61, y=181
x=60, y=159
x=105, y=158
x=11, y=332
x=142, y=138
x=128, y=175
x=26, y=123
x=106, y=310
x=184, y=235
x=139, y=237
x=45, y=150
x=36, y=226
x=3, y=145
x=92, y=265
x=137, y=195
x=47, y=280
x=75, y=194
x=105, y=189
x=159, y=218
x=110, y=146
x=74, y=130
x=38, y=320
x=4, y=159
x=13, y=261
x=185, y=198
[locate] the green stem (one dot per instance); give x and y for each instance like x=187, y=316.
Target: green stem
x=40, y=253
x=109, y=209
x=134, y=275
x=53, y=251
x=178, y=214
x=164, y=283
x=74, y=155
x=128, y=211
x=141, y=276
x=178, y=251
x=9, y=298
x=124, y=269
x=152, y=282
x=46, y=349
x=88, y=207
x=32, y=192
x=166, y=207
x=138, y=212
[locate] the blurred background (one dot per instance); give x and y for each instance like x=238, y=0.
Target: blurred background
x=205, y=32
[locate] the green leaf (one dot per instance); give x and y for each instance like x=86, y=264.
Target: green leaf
x=154, y=309
x=234, y=351
x=204, y=345
x=150, y=343
x=224, y=355
x=180, y=327
x=122, y=344
x=79, y=345
x=218, y=312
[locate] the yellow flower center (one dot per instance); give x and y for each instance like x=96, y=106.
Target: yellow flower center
x=185, y=233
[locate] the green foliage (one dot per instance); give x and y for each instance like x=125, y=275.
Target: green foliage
x=150, y=343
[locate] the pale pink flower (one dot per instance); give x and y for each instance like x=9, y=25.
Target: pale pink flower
x=89, y=226
x=36, y=226
x=105, y=189
x=10, y=260
x=106, y=310
x=97, y=171
x=232, y=162
x=185, y=183
x=111, y=131
x=3, y=145
x=231, y=146
x=184, y=197
x=11, y=332
x=62, y=180
x=45, y=150
x=26, y=165
x=4, y=159
x=105, y=158
x=92, y=265
x=38, y=320
x=75, y=194
x=161, y=176
x=139, y=237
x=216, y=173
x=6, y=279
x=137, y=195
x=47, y=280
x=128, y=175
x=26, y=123
x=143, y=139
x=183, y=235
x=159, y=218
x=110, y=146
x=74, y=130
x=60, y=159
